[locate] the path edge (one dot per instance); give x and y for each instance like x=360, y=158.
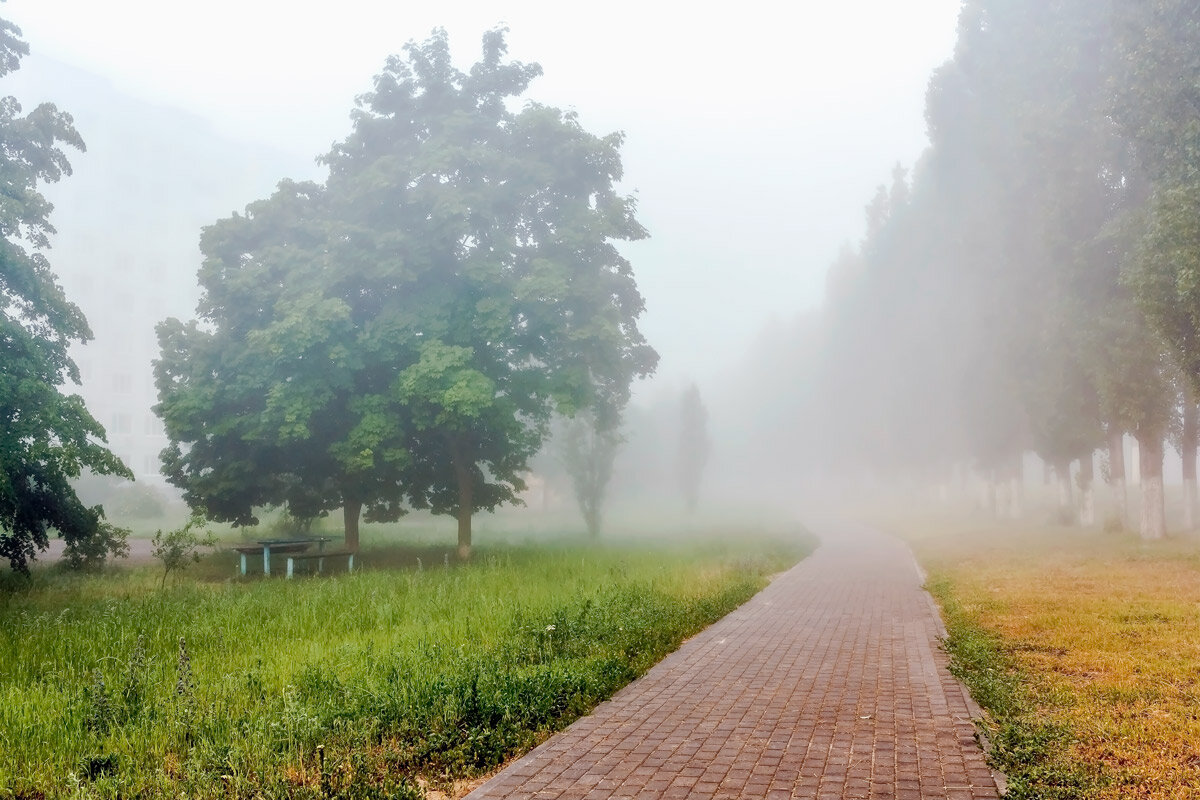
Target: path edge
x=973, y=708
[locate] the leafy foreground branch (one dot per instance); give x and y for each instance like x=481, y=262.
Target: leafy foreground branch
x=350, y=687
x=1032, y=752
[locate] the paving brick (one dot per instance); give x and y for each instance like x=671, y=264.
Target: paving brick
x=829, y=683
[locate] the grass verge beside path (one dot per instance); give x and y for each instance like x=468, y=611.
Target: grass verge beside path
x=1084, y=647
x=351, y=686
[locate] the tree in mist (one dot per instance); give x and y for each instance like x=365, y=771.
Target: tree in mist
x=1183, y=437
x=589, y=449
x=1153, y=104
x=1019, y=113
x=280, y=393
x=1010, y=244
x=694, y=445
x=405, y=330
x=47, y=437
x=515, y=301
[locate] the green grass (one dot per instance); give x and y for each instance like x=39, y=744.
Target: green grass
x=342, y=686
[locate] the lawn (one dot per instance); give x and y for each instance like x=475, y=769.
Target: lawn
x=1085, y=647
x=378, y=683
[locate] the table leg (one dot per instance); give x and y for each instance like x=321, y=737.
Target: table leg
x=267, y=560
x=243, y=555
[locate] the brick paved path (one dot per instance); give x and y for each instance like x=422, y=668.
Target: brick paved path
x=828, y=684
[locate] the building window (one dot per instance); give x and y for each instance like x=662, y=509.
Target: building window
x=122, y=423
x=122, y=383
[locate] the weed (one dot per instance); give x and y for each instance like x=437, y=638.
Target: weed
x=134, y=690
x=100, y=714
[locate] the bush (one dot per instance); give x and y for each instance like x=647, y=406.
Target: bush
x=180, y=547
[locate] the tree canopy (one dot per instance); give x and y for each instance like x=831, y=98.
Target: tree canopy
x=401, y=333
x=47, y=437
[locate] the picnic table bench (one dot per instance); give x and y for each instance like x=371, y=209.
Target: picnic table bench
x=320, y=557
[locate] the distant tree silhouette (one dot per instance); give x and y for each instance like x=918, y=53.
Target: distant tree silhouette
x=589, y=448
x=694, y=446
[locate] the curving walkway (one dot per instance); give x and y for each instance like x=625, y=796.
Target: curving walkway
x=828, y=684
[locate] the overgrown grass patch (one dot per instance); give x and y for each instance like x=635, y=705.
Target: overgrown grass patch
x=1032, y=751
x=346, y=686
x=1085, y=649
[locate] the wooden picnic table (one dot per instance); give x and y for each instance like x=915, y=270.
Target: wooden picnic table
x=294, y=545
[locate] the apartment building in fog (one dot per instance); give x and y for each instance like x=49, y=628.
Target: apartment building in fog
x=128, y=221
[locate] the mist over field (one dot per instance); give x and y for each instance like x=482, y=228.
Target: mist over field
x=431, y=372
x=941, y=253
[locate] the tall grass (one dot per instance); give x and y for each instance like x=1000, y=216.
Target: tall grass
x=345, y=686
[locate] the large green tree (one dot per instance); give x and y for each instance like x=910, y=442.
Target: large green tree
x=47, y=437
x=405, y=330
x=279, y=393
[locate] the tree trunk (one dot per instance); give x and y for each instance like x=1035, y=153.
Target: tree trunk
x=466, y=498
x=1150, y=462
x=1188, y=453
x=1017, y=487
x=1087, y=490
x=1003, y=501
x=1066, y=499
x=351, y=510
x=1116, y=476
x=989, y=495
x=464, y=527
x=1135, y=462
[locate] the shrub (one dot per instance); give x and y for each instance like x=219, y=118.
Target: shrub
x=180, y=547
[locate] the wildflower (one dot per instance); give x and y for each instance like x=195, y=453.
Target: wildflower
x=549, y=627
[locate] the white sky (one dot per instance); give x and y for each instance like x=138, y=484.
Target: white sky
x=756, y=132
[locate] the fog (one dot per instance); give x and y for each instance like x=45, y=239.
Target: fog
x=752, y=139
x=762, y=146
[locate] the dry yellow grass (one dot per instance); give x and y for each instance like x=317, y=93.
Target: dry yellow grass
x=1106, y=628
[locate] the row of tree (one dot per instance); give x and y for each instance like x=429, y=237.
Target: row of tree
x=1035, y=283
